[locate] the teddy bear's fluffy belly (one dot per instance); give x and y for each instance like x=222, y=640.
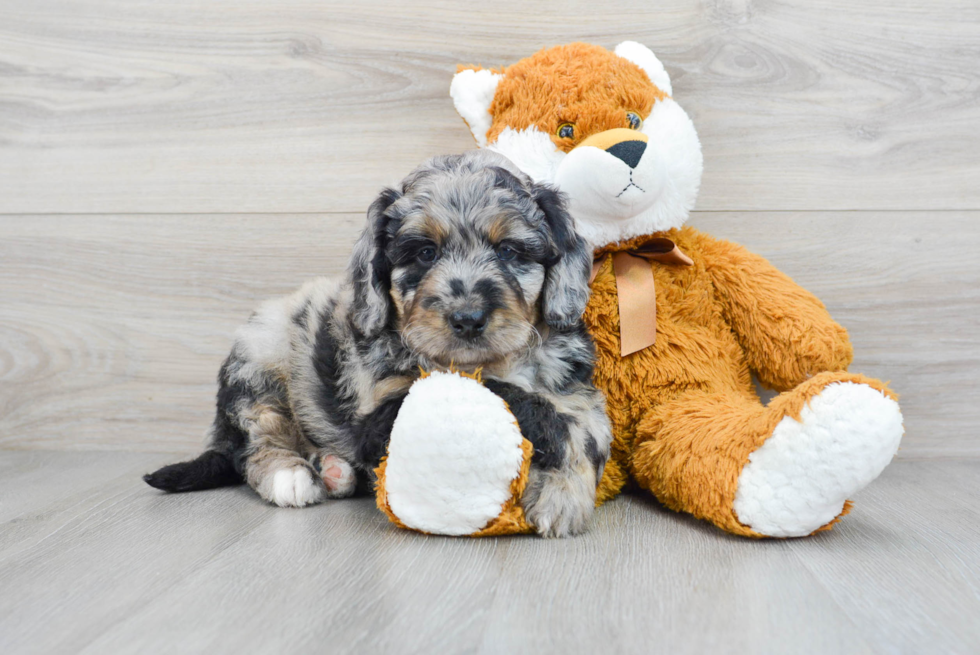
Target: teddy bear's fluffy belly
x=695, y=350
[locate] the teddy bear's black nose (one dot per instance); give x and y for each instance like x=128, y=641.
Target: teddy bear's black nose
x=628, y=151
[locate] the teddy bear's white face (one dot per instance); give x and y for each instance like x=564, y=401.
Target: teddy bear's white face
x=621, y=182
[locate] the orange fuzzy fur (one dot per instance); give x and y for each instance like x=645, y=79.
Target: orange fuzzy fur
x=576, y=83
x=685, y=413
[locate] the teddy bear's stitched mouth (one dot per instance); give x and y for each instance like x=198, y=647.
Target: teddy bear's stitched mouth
x=631, y=184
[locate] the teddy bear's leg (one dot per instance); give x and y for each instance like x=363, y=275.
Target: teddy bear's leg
x=782, y=470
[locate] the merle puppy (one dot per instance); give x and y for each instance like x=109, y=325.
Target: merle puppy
x=469, y=264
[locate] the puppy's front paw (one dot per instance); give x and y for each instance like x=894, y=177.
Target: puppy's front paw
x=559, y=503
x=295, y=487
x=338, y=476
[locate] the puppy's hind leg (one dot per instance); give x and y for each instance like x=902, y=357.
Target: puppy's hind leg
x=275, y=467
x=284, y=478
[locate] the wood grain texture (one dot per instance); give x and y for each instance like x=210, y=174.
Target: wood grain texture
x=110, y=565
x=117, y=325
x=41, y=495
x=112, y=328
x=299, y=106
x=907, y=288
x=166, y=166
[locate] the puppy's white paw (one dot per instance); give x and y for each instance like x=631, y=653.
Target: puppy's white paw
x=295, y=487
x=559, y=503
x=799, y=479
x=338, y=476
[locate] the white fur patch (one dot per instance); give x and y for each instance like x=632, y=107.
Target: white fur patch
x=607, y=191
x=669, y=174
x=295, y=487
x=798, y=480
x=643, y=57
x=265, y=338
x=454, y=451
x=472, y=93
x=675, y=142
x=531, y=150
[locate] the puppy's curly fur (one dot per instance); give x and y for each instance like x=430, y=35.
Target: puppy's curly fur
x=468, y=264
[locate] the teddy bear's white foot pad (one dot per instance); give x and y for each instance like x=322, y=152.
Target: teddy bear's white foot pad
x=799, y=479
x=454, y=451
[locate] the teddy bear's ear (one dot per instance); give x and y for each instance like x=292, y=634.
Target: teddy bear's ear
x=472, y=92
x=641, y=55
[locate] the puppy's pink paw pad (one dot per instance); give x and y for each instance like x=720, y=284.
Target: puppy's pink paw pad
x=337, y=475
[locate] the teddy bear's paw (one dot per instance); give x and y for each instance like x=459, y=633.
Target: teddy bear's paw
x=338, y=476
x=559, y=503
x=296, y=486
x=454, y=453
x=800, y=478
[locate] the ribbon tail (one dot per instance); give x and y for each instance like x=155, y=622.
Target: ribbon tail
x=596, y=265
x=637, y=302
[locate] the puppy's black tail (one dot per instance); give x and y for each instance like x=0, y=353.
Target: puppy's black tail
x=210, y=470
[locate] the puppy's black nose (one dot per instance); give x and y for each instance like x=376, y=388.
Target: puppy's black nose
x=628, y=151
x=469, y=323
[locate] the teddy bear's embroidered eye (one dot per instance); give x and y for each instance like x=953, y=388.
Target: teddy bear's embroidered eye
x=635, y=121
x=566, y=131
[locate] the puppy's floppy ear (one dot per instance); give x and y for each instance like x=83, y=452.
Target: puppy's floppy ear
x=566, y=286
x=370, y=269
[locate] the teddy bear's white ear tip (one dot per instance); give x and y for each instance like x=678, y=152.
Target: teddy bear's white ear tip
x=643, y=57
x=472, y=92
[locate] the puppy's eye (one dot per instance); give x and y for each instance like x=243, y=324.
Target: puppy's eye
x=427, y=255
x=635, y=121
x=566, y=131
x=506, y=253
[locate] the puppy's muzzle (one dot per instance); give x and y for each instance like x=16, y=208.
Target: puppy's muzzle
x=468, y=323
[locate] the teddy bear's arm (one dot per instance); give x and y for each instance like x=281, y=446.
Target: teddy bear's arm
x=785, y=331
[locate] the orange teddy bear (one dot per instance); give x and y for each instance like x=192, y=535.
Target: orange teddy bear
x=681, y=320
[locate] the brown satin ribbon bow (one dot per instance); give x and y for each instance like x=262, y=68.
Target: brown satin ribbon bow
x=636, y=290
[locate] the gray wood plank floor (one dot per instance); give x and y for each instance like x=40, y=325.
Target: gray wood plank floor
x=166, y=166
x=93, y=561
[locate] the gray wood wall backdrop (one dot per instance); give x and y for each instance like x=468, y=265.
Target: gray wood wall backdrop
x=165, y=166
